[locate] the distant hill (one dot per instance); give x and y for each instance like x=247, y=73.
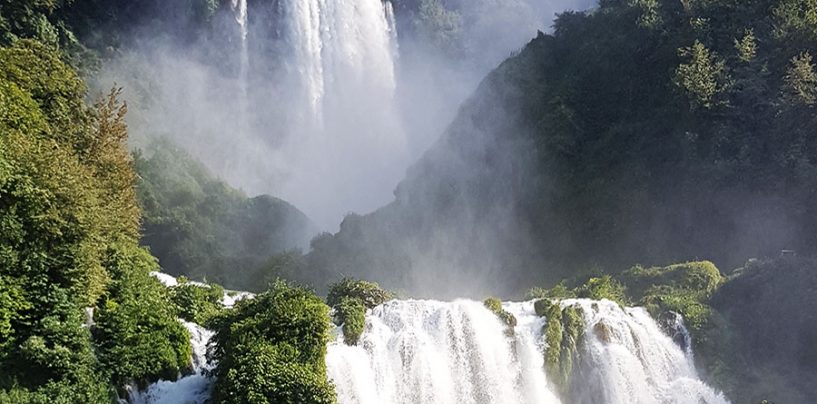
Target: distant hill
x=200, y=227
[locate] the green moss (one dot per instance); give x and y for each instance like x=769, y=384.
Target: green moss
x=495, y=305
x=701, y=278
x=563, y=333
x=369, y=293
x=351, y=313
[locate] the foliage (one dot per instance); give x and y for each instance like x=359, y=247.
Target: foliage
x=701, y=278
x=439, y=27
x=200, y=227
x=764, y=304
x=369, y=293
x=267, y=373
x=702, y=77
x=197, y=303
x=801, y=81
x=351, y=313
x=136, y=329
x=604, y=287
x=272, y=348
x=68, y=230
x=560, y=291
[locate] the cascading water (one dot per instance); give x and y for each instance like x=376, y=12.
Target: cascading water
x=626, y=358
x=426, y=352
x=433, y=352
x=339, y=47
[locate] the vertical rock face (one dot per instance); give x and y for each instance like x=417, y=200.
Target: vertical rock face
x=435, y=352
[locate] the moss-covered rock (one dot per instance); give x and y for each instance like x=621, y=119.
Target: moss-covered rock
x=351, y=314
x=700, y=278
x=563, y=333
x=495, y=305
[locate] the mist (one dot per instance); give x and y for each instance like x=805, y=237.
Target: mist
x=324, y=107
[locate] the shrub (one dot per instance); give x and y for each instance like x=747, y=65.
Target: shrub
x=370, y=293
x=272, y=349
x=560, y=291
x=604, y=287
x=701, y=278
x=267, y=373
x=197, y=303
x=136, y=329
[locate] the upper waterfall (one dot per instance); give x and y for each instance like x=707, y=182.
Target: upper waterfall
x=339, y=48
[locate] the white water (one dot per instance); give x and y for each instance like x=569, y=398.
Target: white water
x=239, y=8
x=435, y=352
x=432, y=352
x=635, y=362
x=339, y=48
x=426, y=352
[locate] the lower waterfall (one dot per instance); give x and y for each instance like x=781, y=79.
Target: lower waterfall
x=427, y=352
x=433, y=352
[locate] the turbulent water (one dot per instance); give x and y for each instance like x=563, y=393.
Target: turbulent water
x=426, y=352
x=435, y=352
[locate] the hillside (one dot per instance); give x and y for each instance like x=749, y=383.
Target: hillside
x=200, y=227
x=647, y=132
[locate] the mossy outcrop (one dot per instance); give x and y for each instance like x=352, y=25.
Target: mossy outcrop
x=351, y=314
x=495, y=305
x=562, y=332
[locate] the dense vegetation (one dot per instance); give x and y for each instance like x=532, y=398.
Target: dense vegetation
x=350, y=298
x=200, y=227
x=271, y=349
x=69, y=226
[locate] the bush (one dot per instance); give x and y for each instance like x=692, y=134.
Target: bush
x=369, y=293
x=701, y=278
x=267, y=373
x=197, y=303
x=604, y=287
x=136, y=329
x=560, y=291
x=271, y=349
x=351, y=313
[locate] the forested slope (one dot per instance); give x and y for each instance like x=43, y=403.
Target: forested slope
x=648, y=131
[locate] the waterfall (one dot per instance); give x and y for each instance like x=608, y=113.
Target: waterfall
x=339, y=48
x=239, y=9
x=427, y=352
x=628, y=359
x=434, y=352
